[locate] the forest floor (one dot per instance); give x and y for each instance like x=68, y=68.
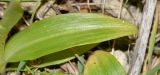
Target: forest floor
x=123, y=48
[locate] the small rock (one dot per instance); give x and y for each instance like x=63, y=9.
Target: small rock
x=11, y=73
x=122, y=58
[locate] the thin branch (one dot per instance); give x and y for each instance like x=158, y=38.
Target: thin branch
x=141, y=43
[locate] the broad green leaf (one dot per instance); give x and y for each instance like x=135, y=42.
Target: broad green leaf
x=154, y=70
x=103, y=63
x=63, y=56
x=61, y=32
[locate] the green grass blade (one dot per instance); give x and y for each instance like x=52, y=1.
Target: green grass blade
x=61, y=32
x=154, y=70
x=152, y=42
x=103, y=63
x=20, y=67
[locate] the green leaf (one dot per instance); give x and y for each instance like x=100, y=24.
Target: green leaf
x=103, y=63
x=154, y=70
x=63, y=56
x=152, y=40
x=80, y=64
x=20, y=67
x=61, y=32
x=12, y=15
x=9, y=20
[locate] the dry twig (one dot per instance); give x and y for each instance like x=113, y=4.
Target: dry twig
x=141, y=43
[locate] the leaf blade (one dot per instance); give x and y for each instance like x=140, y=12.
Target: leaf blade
x=65, y=31
x=10, y=19
x=103, y=63
x=12, y=15
x=63, y=56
